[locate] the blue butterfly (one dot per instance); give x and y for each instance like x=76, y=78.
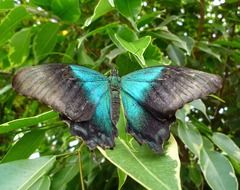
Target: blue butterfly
x=90, y=102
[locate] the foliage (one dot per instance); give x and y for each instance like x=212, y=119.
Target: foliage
x=132, y=34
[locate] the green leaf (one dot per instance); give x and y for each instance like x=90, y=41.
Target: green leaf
x=6, y=4
x=22, y=174
x=10, y=22
x=42, y=3
x=137, y=47
x=129, y=9
x=69, y=54
x=176, y=55
x=22, y=149
x=147, y=18
x=163, y=32
x=227, y=145
x=204, y=46
x=126, y=63
x=190, y=137
x=147, y=168
x=26, y=122
x=121, y=178
x=45, y=40
x=65, y=174
x=101, y=9
x=198, y=104
x=66, y=9
x=123, y=32
x=217, y=170
x=153, y=55
x=20, y=43
x=42, y=184
x=97, y=30
x=84, y=58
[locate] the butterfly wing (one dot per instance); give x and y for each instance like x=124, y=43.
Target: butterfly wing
x=78, y=93
x=151, y=97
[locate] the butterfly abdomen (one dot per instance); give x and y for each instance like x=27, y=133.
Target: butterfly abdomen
x=115, y=83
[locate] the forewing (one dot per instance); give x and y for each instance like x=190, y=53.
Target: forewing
x=160, y=91
x=69, y=89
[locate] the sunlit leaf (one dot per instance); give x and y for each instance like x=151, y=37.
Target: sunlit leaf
x=22, y=174
x=10, y=22
x=226, y=144
x=26, y=122
x=190, y=136
x=217, y=170
x=147, y=168
x=22, y=149
x=101, y=9
x=137, y=47
x=121, y=178
x=20, y=46
x=129, y=9
x=42, y=184
x=45, y=40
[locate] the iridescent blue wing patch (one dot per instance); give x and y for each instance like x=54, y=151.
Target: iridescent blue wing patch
x=151, y=97
x=80, y=94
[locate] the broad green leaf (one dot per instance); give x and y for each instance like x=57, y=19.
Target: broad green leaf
x=199, y=105
x=163, y=32
x=217, y=170
x=26, y=122
x=176, y=55
x=203, y=46
x=22, y=174
x=137, y=47
x=190, y=137
x=129, y=9
x=19, y=46
x=45, y=40
x=151, y=170
x=147, y=18
x=97, y=30
x=66, y=9
x=101, y=9
x=123, y=32
x=22, y=149
x=84, y=58
x=6, y=4
x=153, y=55
x=126, y=64
x=201, y=127
x=121, y=178
x=42, y=184
x=65, y=175
x=10, y=22
x=226, y=144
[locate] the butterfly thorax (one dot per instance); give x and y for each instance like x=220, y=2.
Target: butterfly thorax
x=115, y=85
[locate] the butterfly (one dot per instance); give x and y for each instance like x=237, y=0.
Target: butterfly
x=90, y=102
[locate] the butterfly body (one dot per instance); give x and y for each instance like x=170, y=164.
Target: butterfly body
x=90, y=102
